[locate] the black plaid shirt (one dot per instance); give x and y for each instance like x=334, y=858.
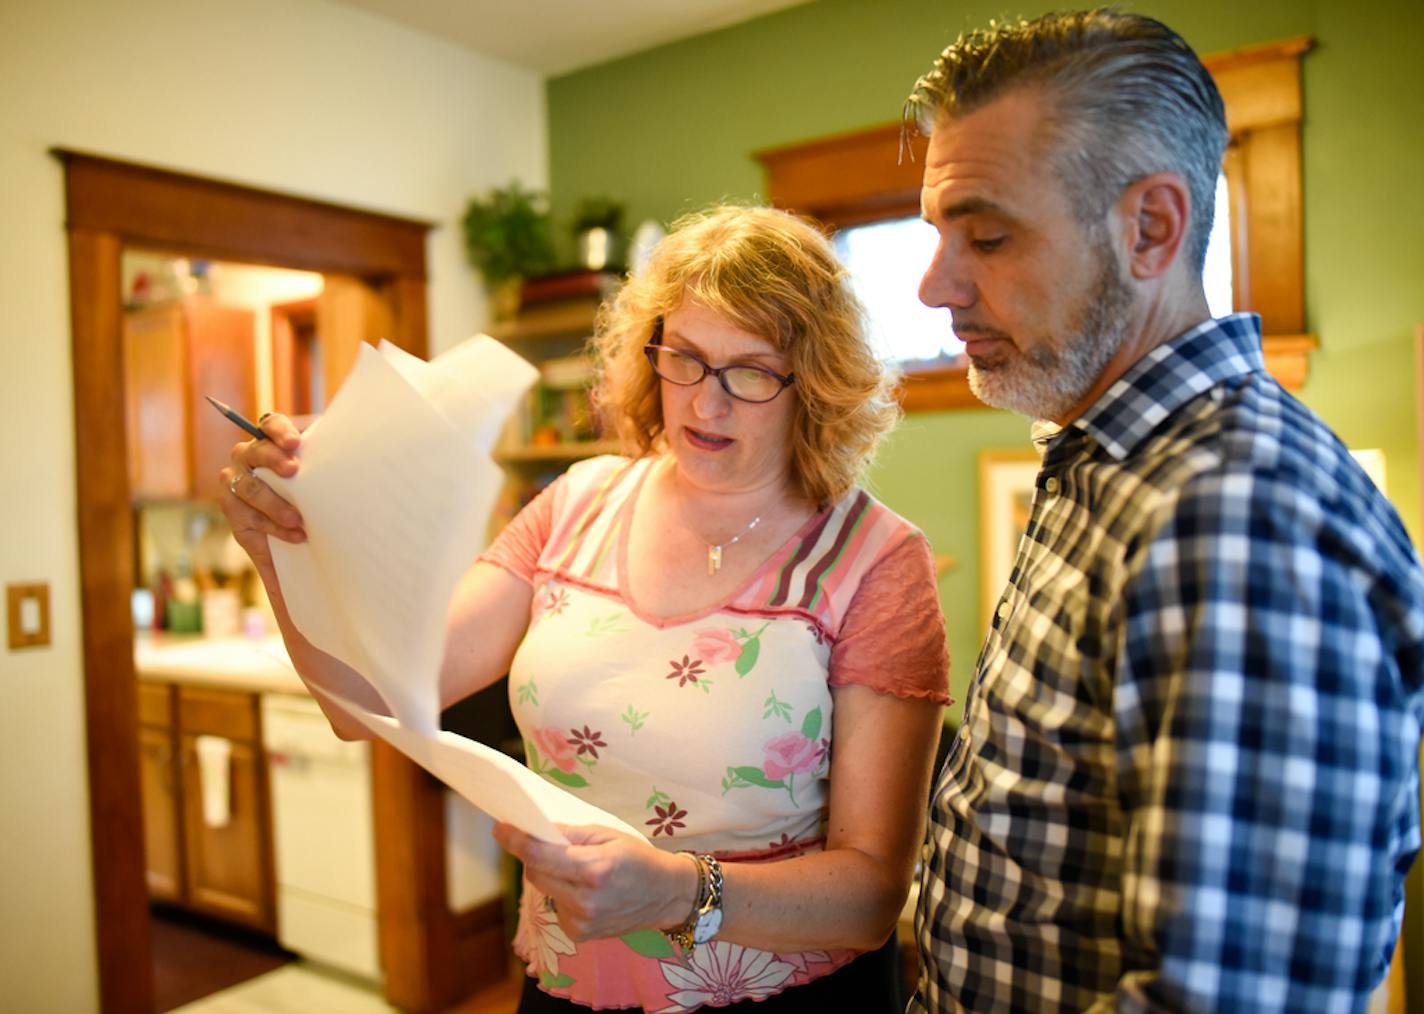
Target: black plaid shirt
x=1187, y=775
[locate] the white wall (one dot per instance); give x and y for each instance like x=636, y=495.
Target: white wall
x=303, y=96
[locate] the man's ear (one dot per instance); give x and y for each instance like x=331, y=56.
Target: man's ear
x=1155, y=213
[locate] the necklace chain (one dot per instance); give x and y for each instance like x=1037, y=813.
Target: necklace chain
x=714, y=550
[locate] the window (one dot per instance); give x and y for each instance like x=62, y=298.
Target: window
x=885, y=261
x=855, y=185
x=886, y=258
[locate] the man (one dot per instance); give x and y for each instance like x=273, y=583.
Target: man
x=1187, y=773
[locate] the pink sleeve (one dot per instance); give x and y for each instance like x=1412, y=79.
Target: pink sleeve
x=892, y=639
x=517, y=548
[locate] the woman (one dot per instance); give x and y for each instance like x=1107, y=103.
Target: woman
x=681, y=628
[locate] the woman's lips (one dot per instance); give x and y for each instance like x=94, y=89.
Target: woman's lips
x=706, y=441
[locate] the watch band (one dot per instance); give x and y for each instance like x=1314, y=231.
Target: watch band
x=705, y=919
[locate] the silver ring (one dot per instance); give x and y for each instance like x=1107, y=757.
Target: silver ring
x=237, y=477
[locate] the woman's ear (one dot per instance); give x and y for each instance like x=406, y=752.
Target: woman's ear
x=1155, y=213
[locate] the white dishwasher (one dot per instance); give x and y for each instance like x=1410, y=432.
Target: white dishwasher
x=322, y=837
x=324, y=840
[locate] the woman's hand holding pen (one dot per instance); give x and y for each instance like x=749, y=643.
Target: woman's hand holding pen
x=254, y=510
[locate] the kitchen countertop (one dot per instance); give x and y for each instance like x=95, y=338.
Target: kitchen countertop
x=227, y=663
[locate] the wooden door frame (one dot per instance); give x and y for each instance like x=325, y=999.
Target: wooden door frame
x=110, y=205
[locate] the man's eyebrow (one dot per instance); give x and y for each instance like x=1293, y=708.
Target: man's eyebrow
x=971, y=206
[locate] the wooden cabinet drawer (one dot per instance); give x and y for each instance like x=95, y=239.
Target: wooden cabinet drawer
x=155, y=704
x=218, y=713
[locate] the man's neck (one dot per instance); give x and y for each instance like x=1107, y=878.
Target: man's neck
x=1159, y=322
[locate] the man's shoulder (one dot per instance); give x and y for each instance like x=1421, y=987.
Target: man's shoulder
x=1247, y=458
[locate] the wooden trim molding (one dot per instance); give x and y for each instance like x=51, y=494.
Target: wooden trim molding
x=873, y=174
x=1260, y=86
x=143, y=205
x=848, y=179
x=1288, y=357
x=936, y=389
x=105, y=581
x=111, y=205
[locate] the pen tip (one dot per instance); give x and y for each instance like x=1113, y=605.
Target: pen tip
x=215, y=403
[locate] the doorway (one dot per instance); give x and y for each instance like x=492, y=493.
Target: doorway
x=112, y=205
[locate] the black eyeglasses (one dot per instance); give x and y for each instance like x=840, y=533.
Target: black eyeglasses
x=742, y=381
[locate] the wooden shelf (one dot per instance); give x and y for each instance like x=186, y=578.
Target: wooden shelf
x=566, y=318
x=541, y=454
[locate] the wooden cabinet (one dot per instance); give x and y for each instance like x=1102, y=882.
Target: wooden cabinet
x=221, y=868
x=174, y=354
x=160, y=775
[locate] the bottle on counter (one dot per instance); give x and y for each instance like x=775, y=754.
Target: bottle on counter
x=162, y=595
x=185, y=611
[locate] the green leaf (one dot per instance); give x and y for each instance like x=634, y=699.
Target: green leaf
x=755, y=776
x=811, y=724
x=649, y=943
x=555, y=981
x=748, y=657
x=532, y=755
x=573, y=781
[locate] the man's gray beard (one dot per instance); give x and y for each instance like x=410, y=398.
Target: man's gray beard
x=1044, y=384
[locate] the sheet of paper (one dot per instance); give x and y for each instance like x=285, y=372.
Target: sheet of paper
x=395, y=488
x=497, y=784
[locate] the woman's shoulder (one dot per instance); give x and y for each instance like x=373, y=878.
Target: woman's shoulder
x=859, y=509
x=590, y=493
x=602, y=469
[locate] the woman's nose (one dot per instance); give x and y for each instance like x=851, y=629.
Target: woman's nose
x=709, y=400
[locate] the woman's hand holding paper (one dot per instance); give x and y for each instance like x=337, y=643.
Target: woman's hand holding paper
x=603, y=883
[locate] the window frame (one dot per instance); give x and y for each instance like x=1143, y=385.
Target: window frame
x=847, y=179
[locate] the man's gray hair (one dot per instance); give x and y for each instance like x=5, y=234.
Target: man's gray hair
x=1129, y=96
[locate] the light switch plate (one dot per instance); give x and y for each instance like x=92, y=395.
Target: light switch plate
x=27, y=615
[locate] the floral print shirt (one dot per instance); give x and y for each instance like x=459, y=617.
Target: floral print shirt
x=712, y=731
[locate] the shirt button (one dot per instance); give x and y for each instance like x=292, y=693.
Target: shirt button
x=1051, y=484
x=1003, y=611
x=926, y=851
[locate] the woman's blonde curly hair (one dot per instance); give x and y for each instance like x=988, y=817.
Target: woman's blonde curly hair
x=774, y=275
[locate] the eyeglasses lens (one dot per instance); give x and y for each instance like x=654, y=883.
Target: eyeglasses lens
x=751, y=385
x=746, y=382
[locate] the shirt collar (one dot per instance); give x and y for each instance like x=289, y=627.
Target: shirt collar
x=1168, y=377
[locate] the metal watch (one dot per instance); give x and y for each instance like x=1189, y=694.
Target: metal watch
x=709, y=917
x=705, y=920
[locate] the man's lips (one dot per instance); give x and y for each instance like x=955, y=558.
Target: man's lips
x=977, y=342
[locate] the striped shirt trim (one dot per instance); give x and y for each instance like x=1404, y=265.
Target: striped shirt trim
x=815, y=580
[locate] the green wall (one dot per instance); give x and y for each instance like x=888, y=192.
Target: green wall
x=674, y=128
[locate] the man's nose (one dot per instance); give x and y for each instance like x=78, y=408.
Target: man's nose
x=947, y=282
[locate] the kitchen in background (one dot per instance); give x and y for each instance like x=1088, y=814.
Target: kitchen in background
x=257, y=820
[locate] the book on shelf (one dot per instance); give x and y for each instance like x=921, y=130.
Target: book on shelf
x=568, y=285
x=563, y=318
x=566, y=372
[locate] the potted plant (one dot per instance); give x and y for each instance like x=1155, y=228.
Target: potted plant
x=597, y=222
x=507, y=239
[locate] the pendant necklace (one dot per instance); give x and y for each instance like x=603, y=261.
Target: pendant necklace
x=714, y=551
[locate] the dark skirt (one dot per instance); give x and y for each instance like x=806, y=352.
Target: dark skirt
x=870, y=984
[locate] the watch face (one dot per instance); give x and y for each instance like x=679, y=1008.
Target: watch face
x=708, y=923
